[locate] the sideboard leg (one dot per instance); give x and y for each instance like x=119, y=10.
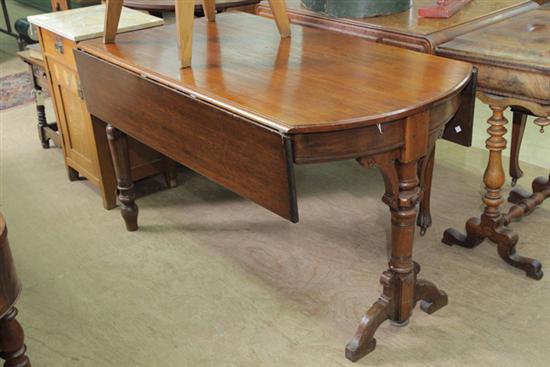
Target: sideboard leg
x=12, y=346
x=401, y=288
x=118, y=145
x=492, y=224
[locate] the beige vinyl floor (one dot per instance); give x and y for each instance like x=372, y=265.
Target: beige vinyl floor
x=214, y=280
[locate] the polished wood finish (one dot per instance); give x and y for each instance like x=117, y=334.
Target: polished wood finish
x=259, y=72
x=512, y=58
x=112, y=17
x=407, y=29
x=86, y=151
x=251, y=107
x=12, y=346
x=185, y=14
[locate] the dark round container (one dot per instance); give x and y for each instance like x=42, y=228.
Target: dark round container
x=357, y=8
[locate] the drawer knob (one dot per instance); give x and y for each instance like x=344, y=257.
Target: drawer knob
x=59, y=47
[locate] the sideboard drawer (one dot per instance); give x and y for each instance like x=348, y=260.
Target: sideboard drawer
x=58, y=47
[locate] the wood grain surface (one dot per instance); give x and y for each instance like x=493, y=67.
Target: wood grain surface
x=312, y=81
x=409, y=22
x=513, y=56
x=250, y=160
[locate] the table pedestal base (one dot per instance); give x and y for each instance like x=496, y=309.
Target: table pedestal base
x=388, y=308
x=492, y=224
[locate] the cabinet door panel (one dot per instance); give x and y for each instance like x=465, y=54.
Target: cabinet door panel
x=75, y=119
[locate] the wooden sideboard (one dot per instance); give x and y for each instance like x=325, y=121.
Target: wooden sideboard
x=87, y=154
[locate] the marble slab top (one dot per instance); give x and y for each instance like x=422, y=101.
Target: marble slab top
x=86, y=23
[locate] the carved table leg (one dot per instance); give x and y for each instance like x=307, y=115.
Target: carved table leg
x=492, y=223
x=118, y=145
x=424, y=220
x=401, y=288
x=12, y=347
x=518, y=128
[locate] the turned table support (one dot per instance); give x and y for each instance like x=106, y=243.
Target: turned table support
x=492, y=224
x=118, y=145
x=402, y=290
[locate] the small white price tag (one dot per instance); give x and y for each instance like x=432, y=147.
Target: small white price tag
x=458, y=129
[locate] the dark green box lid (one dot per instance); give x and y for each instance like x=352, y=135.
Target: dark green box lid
x=357, y=8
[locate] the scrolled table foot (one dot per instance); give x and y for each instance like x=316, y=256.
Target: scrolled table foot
x=431, y=298
x=471, y=239
x=363, y=342
x=506, y=241
x=517, y=195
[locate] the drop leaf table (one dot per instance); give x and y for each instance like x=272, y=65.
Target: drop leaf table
x=408, y=30
x=250, y=108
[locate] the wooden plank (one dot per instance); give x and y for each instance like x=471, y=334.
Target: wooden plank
x=112, y=17
x=278, y=7
x=251, y=160
x=185, y=15
x=209, y=9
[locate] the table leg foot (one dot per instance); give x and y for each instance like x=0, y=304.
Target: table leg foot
x=471, y=239
x=12, y=346
x=431, y=298
x=72, y=174
x=170, y=173
x=363, y=341
x=517, y=195
x=506, y=241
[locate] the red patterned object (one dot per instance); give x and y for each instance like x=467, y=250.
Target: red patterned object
x=443, y=9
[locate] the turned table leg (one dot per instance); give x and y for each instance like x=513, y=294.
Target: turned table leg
x=118, y=145
x=518, y=128
x=492, y=223
x=12, y=346
x=401, y=290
